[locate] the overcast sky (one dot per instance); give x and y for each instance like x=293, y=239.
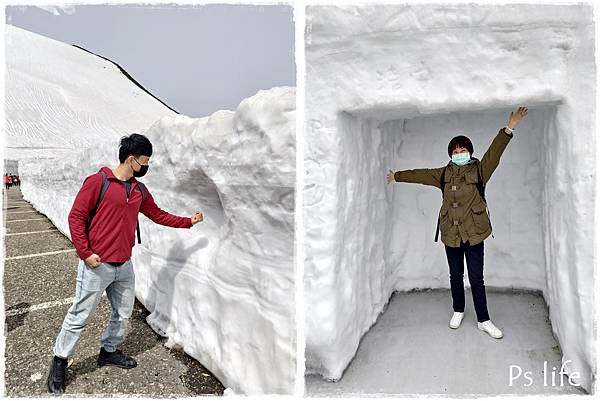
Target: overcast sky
x=197, y=59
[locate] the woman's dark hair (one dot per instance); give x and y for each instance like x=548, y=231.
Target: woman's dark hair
x=460, y=141
x=136, y=145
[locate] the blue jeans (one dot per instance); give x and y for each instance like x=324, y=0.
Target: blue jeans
x=474, y=256
x=119, y=283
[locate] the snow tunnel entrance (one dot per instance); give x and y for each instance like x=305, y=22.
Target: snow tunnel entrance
x=397, y=221
x=389, y=229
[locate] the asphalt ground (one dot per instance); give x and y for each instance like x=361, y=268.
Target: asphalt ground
x=38, y=291
x=411, y=350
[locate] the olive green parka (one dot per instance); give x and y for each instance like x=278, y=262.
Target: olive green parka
x=463, y=213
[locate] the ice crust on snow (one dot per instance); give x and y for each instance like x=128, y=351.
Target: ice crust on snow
x=60, y=98
x=222, y=290
x=387, y=87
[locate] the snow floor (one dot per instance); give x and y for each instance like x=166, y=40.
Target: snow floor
x=394, y=356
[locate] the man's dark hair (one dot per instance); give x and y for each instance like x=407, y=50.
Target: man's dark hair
x=460, y=141
x=136, y=145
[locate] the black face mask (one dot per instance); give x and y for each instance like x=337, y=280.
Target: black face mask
x=143, y=170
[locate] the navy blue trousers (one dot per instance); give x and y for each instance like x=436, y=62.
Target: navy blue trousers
x=474, y=256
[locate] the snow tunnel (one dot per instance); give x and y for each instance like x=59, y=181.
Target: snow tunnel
x=396, y=223
x=388, y=229
x=411, y=78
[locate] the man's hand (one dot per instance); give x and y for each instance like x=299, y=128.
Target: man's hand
x=93, y=261
x=197, y=217
x=390, y=177
x=517, y=116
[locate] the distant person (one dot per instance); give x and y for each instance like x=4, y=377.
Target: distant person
x=6, y=181
x=103, y=240
x=17, y=181
x=463, y=221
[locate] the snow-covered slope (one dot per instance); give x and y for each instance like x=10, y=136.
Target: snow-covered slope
x=223, y=290
x=60, y=98
x=387, y=87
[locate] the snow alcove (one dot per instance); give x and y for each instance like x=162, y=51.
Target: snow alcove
x=397, y=224
x=387, y=88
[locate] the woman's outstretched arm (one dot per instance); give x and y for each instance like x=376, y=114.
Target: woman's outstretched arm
x=491, y=158
x=425, y=176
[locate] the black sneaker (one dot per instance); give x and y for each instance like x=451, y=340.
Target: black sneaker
x=116, y=358
x=56, y=376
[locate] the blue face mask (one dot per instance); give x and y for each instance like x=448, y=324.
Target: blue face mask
x=461, y=158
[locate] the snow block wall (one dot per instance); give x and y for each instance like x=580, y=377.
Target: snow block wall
x=387, y=87
x=224, y=289
x=60, y=98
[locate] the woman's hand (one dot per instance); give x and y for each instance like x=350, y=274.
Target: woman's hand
x=516, y=117
x=390, y=177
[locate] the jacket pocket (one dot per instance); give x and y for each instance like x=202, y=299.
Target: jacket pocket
x=444, y=220
x=92, y=278
x=480, y=218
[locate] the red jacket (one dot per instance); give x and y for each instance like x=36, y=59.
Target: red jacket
x=112, y=232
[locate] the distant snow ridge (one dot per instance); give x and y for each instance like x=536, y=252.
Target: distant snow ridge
x=60, y=98
x=223, y=290
x=387, y=87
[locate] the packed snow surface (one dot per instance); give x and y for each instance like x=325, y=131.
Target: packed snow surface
x=59, y=97
x=387, y=87
x=222, y=290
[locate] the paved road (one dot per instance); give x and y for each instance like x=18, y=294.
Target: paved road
x=38, y=291
x=411, y=350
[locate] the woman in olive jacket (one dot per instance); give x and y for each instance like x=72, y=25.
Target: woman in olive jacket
x=463, y=221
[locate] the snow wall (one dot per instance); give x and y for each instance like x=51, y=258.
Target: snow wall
x=224, y=289
x=387, y=87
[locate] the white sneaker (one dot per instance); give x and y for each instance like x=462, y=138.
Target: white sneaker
x=489, y=328
x=457, y=317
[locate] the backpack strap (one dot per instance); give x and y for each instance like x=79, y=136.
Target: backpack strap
x=480, y=184
x=442, y=185
x=437, y=230
x=143, y=190
x=105, y=183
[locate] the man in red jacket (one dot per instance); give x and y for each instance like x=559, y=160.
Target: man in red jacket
x=103, y=235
